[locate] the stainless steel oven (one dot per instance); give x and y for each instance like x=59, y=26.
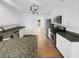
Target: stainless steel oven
x=52, y=34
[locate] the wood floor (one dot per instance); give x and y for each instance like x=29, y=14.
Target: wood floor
x=45, y=48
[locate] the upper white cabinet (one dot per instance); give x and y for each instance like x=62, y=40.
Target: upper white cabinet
x=70, y=14
x=65, y=16
x=67, y=49
x=74, y=13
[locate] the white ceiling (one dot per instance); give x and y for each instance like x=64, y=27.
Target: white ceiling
x=45, y=6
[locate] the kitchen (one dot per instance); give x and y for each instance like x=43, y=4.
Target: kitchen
x=63, y=18
x=66, y=29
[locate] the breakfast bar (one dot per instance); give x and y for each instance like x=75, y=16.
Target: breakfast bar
x=9, y=33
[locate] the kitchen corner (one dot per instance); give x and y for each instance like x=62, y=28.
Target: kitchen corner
x=67, y=43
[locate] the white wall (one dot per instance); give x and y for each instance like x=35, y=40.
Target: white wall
x=8, y=17
x=31, y=23
x=73, y=13
x=70, y=15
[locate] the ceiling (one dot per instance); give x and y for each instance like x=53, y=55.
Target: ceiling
x=45, y=6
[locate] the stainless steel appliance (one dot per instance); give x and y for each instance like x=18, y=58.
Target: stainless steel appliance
x=58, y=19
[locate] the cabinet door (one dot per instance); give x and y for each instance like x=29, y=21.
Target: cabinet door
x=59, y=43
x=21, y=33
x=65, y=49
x=65, y=16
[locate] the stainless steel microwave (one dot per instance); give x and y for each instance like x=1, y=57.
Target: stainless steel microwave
x=58, y=19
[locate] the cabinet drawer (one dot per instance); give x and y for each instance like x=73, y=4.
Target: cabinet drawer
x=59, y=46
x=66, y=41
x=63, y=40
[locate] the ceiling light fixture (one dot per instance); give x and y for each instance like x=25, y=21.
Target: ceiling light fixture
x=34, y=9
x=7, y=0
x=62, y=0
x=36, y=1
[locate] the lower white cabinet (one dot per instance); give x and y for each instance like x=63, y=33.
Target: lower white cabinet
x=67, y=49
x=75, y=50
x=21, y=33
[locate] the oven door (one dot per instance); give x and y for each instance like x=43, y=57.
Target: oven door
x=53, y=37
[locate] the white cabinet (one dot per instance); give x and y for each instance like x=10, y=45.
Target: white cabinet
x=70, y=13
x=67, y=49
x=65, y=16
x=75, y=50
x=63, y=45
x=21, y=33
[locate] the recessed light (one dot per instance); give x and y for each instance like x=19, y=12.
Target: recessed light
x=35, y=1
x=7, y=0
x=62, y=0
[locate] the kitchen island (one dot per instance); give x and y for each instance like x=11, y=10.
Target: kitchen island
x=9, y=32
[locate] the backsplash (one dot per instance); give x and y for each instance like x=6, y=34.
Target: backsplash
x=69, y=28
x=73, y=29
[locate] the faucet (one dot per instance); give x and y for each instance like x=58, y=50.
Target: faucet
x=2, y=29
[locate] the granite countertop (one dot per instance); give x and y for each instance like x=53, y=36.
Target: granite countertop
x=11, y=30
x=73, y=37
